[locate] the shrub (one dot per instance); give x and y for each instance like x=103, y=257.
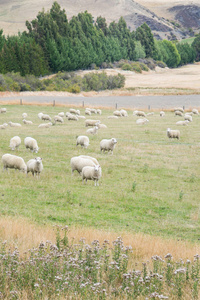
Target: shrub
x=126, y=67
x=136, y=67
x=74, y=89
x=161, y=64
x=144, y=67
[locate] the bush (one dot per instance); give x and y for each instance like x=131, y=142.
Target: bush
x=126, y=67
x=144, y=67
x=136, y=67
x=161, y=64
x=74, y=89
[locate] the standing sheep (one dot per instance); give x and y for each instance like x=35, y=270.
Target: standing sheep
x=195, y=111
x=40, y=115
x=45, y=117
x=117, y=113
x=99, y=112
x=162, y=113
x=31, y=144
x=27, y=122
x=89, y=122
x=87, y=112
x=173, y=134
x=139, y=113
x=142, y=121
x=91, y=173
x=35, y=166
x=45, y=125
x=178, y=113
x=108, y=145
x=58, y=119
x=93, y=130
x=91, y=158
x=61, y=114
x=72, y=117
x=188, y=117
x=3, y=110
x=179, y=108
x=13, y=162
x=15, y=142
x=78, y=163
x=124, y=113
x=3, y=126
x=184, y=123
x=83, y=140
x=24, y=115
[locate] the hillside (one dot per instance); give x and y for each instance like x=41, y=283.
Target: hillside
x=160, y=16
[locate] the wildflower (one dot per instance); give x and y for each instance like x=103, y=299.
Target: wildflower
x=168, y=255
x=183, y=270
x=156, y=257
x=36, y=285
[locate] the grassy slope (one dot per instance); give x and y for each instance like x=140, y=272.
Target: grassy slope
x=165, y=175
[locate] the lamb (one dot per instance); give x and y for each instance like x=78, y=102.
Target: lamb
x=178, y=113
x=123, y=113
x=78, y=163
x=162, y=113
x=195, y=111
x=89, y=122
x=117, y=113
x=3, y=110
x=91, y=173
x=99, y=112
x=72, y=117
x=61, y=114
x=188, y=118
x=87, y=112
x=3, y=126
x=40, y=115
x=58, y=119
x=179, y=108
x=173, y=134
x=24, y=115
x=113, y=117
x=31, y=144
x=184, y=123
x=45, y=125
x=83, y=140
x=93, y=130
x=45, y=117
x=14, y=124
x=108, y=145
x=35, y=166
x=142, y=121
x=13, y=162
x=15, y=142
x=27, y=122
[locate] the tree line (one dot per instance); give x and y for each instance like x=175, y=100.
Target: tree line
x=52, y=43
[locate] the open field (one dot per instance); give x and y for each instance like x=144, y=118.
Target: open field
x=149, y=185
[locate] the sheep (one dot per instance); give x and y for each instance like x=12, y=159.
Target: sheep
x=74, y=111
x=45, y=117
x=67, y=114
x=24, y=115
x=142, y=121
x=81, y=117
x=92, y=130
x=93, y=111
x=113, y=117
x=61, y=114
x=184, y=123
x=123, y=113
x=72, y=117
x=188, y=117
x=117, y=113
x=3, y=110
x=162, y=113
x=27, y=122
x=83, y=140
x=108, y=145
x=45, y=125
x=78, y=163
x=91, y=173
x=189, y=113
x=102, y=126
x=40, y=115
x=173, y=134
x=3, y=126
x=35, y=166
x=13, y=162
x=58, y=119
x=88, y=112
x=89, y=122
x=150, y=113
x=179, y=108
x=31, y=144
x=15, y=142
x=14, y=124
x=99, y=112
x=139, y=113
x=91, y=158
x=195, y=111
x=178, y=113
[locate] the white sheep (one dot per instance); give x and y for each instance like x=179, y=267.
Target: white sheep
x=189, y=113
x=46, y=117
x=13, y=162
x=150, y=113
x=113, y=117
x=83, y=140
x=74, y=111
x=195, y=111
x=15, y=142
x=142, y=121
x=99, y=112
x=173, y=134
x=188, y=118
x=162, y=113
x=90, y=122
x=93, y=130
x=91, y=158
x=184, y=123
x=178, y=113
x=45, y=125
x=31, y=143
x=58, y=119
x=40, y=115
x=117, y=113
x=27, y=122
x=24, y=115
x=179, y=108
x=61, y=114
x=102, y=126
x=72, y=117
x=91, y=173
x=108, y=145
x=139, y=113
x=35, y=166
x=14, y=124
x=87, y=112
x=123, y=113
x=78, y=163
x=81, y=117
x=93, y=110
x=3, y=110
x=3, y=126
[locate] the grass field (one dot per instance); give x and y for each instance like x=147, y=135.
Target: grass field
x=149, y=185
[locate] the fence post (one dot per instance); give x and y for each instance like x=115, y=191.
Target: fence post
x=54, y=102
x=20, y=101
x=83, y=103
x=183, y=107
x=149, y=107
x=116, y=106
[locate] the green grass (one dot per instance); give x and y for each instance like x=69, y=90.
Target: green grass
x=188, y=40
x=150, y=184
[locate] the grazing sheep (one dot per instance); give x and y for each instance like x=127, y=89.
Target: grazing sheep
x=91, y=173
x=61, y=114
x=31, y=144
x=189, y=113
x=139, y=113
x=195, y=111
x=113, y=117
x=87, y=112
x=81, y=117
x=27, y=122
x=13, y=162
x=14, y=124
x=188, y=118
x=40, y=115
x=35, y=166
x=91, y=158
x=93, y=111
x=24, y=115
x=179, y=108
x=15, y=142
x=150, y=113
x=117, y=113
x=108, y=145
x=93, y=130
x=3, y=126
x=184, y=123
x=74, y=111
x=123, y=113
x=162, y=113
x=102, y=126
x=46, y=117
x=78, y=163
x=72, y=117
x=58, y=119
x=3, y=110
x=89, y=122
x=45, y=125
x=178, y=113
x=83, y=140
x=99, y=112
x=173, y=134
x=142, y=121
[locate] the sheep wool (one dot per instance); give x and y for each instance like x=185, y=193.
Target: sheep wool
x=35, y=166
x=178, y=113
x=188, y=117
x=58, y=119
x=3, y=110
x=26, y=122
x=91, y=173
x=46, y=117
x=162, y=113
x=117, y=113
x=77, y=163
x=90, y=122
x=3, y=126
x=184, y=123
x=15, y=142
x=195, y=111
x=61, y=114
x=173, y=134
x=83, y=140
x=93, y=130
x=72, y=117
x=13, y=162
x=40, y=115
x=31, y=144
x=142, y=121
x=24, y=115
x=108, y=145
x=45, y=125
x=123, y=113
x=90, y=157
x=14, y=124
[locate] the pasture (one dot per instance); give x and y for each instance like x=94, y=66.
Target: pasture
x=149, y=185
